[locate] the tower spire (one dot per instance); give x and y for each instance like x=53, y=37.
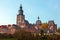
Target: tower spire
x=38, y=18
x=21, y=10
x=20, y=6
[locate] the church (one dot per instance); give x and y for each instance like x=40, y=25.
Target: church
x=22, y=23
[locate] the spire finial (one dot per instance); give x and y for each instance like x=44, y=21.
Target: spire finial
x=21, y=10
x=20, y=6
x=38, y=18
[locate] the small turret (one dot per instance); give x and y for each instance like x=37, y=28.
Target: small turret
x=38, y=22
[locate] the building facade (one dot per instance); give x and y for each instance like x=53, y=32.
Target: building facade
x=22, y=23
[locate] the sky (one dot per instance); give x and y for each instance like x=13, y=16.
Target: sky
x=45, y=9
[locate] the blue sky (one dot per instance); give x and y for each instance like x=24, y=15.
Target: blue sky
x=45, y=9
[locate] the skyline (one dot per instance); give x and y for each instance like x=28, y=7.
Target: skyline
x=46, y=10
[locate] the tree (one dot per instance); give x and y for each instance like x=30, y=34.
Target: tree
x=44, y=25
x=41, y=32
x=58, y=30
x=23, y=35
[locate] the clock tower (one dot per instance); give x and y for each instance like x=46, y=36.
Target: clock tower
x=21, y=22
x=20, y=16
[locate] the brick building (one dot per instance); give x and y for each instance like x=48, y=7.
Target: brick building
x=22, y=23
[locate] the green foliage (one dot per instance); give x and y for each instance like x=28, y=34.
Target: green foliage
x=23, y=35
x=58, y=30
x=8, y=39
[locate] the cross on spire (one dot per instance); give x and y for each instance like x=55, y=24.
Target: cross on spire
x=20, y=6
x=38, y=18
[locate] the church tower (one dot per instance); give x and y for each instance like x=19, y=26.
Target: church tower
x=20, y=16
x=21, y=22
